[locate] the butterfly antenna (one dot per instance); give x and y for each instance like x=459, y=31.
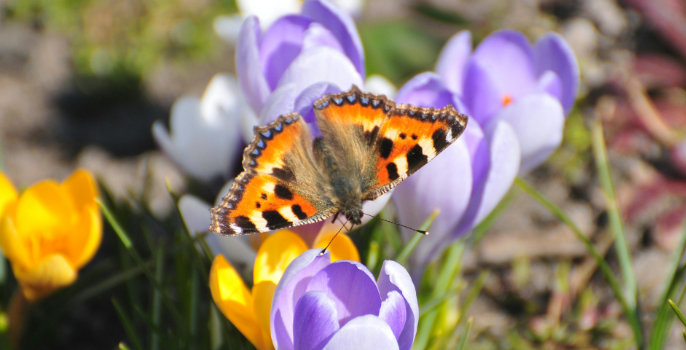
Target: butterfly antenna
x=424, y=232
x=334, y=237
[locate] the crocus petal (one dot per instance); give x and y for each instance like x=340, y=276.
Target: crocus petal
x=196, y=215
x=51, y=273
x=491, y=186
x=280, y=102
x=427, y=90
x=8, y=193
x=42, y=208
x=317, y=35
x=538, y=120
x=81, y=187
x=85, y=239
x=444, y=184
x=341, y=248
x=380, y=85
x=351, y=286
x=273, y=257
x=87, y=233
x=549, y=82
x=321, y=64
x=305, y=101
x=315, y=321
x=293, y=284
x=275, y=254
x=280, y=45
x=206, y=132
x=509, y=59
x=483, y=99
x=262, y=296
x=552, y=53
x=234, y=300
x=393, y=311
x=394, y=277
x=363, y=333
x=341, y=25
x=452, y=60
x=248, y=68
x=10, y=240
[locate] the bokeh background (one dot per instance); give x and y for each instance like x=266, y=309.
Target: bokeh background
x=81, y=83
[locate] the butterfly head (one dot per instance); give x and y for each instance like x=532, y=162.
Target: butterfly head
x=353, y=215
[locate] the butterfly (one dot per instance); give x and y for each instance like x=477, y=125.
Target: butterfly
x=368, y=145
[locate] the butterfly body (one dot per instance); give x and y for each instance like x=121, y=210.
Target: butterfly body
x=368, y=145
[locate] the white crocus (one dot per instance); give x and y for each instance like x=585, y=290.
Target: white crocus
x=196, y=216
x=380, y=85
x=205, y=133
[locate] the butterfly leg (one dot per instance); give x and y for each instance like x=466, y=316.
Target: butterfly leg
x=335, y=216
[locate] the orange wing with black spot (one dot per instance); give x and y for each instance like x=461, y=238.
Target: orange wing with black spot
x=381, y=142
x=409, y=138
x=280, y=184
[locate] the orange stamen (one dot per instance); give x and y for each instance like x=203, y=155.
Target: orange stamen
x=506, y=99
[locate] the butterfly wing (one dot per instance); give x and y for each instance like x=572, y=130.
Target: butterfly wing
x=280, y=185
x=409, y=138
x=381, y=142
x=350, y=124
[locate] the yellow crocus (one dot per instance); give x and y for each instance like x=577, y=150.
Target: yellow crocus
x=49, y=231
x=248, y=309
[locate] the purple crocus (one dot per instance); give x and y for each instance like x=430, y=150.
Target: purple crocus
x=505, y=78
x=323, y=305
x=321, y=44
x=516, y=97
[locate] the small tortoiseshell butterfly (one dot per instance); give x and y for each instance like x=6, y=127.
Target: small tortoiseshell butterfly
x=368, y=145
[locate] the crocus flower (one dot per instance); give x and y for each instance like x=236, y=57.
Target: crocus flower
x=248, y=309
x=50, y=231
x=320, y=304
x=516, y=96
x=300, y=50
x=505, y=78
x=206, y=133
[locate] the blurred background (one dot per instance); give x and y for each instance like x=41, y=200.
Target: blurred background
x=82, y=81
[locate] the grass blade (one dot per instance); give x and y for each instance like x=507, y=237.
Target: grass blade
x=663, y=320
x=121, y=233
x=128, y=325
x=446, y=276
x=623, y=254
x=602, y=264
x=677, y=311
x=465, y=335
x=156, y=307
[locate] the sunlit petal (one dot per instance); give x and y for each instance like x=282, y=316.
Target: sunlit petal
x=51, y=272
x=275, y=254
x=234, y=300
x=7, y=193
